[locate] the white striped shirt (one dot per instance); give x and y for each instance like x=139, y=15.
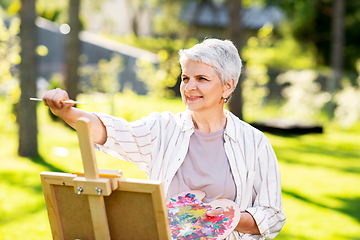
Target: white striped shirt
x=159, y=142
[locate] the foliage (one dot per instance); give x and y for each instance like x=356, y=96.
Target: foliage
x=279, y=52
x=56, y=81
x=311, y=24
x=304, y=43
x=161, y=79
x=155, y=44
x=254, y=86
x=165, y=21
x=304, y=96
x=10, y=6
x=165, y=24
x=264, y=51
x=9, y=58
x=104, y=77
x=252, y=3
x=129, y=105
x=347, y=112
x=5, y=3
x=53, y=10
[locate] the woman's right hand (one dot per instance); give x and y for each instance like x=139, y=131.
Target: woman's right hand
x=54, y=99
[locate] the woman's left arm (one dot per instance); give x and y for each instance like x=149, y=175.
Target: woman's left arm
x=262, y=215
x=266, y=208
x=247, y=224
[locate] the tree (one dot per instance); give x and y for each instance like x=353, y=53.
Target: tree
x=73, y=50
x=28, y=146
x=337, y=46
x=235, y=34
x=136, y=9
x=311, y=24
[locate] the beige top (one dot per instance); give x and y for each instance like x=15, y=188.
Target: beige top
x=205, y=168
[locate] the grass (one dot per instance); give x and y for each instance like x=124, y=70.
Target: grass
x=320, y=172
x=320, y=182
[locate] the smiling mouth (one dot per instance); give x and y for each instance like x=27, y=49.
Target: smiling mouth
x=194, y=98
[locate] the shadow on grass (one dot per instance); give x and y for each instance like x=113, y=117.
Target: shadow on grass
x=320, y=151
x=330, y=157
x=21, y=179
x=350, y=206
x=41, y=161
x=334, y=151
x=27, y=179
x=315, y=163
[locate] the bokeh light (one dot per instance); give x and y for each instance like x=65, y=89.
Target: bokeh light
x=65, y=28
x=42, y=50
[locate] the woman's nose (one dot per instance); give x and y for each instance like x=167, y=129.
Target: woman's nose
x=190, y=85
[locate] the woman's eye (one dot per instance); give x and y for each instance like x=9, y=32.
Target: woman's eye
x=185, y=79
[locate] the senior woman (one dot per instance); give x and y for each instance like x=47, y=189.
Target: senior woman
x=203, y=148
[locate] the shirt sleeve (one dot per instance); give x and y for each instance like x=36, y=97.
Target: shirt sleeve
x=266, y=207
x=131, y=141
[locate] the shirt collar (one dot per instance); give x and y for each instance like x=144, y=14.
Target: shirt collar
x=230, y=128
x=186, y=121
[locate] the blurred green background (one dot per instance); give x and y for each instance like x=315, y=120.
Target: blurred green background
x=301, y=66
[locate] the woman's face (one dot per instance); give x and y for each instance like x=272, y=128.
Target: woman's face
x=201, y=88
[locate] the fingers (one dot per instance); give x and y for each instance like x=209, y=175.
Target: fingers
x=212, y=212
x=54, y=98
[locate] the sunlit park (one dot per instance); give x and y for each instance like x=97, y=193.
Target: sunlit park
x=300, y=85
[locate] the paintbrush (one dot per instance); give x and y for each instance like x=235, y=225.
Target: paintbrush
x=67, y=101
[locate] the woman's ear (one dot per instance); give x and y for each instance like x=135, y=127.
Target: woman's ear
x=228, y=88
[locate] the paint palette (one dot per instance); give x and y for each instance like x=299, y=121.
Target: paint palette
x=188, y=219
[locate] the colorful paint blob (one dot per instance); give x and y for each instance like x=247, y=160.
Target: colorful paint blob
x=188, y=219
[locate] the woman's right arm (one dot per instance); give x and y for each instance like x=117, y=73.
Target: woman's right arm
x=69, y=114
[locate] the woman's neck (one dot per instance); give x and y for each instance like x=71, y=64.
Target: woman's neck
x=209, y=123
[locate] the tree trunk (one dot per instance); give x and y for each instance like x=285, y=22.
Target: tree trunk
x=235, y=34
x=337, y=54
x=73, y=50
x=135, y=8
x=28, y=146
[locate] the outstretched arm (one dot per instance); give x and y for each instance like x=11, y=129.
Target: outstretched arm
x=69, y=114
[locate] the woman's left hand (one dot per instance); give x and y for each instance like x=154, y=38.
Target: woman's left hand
x=246, y=224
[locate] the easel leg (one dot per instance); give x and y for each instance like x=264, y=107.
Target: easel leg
x=99, y=218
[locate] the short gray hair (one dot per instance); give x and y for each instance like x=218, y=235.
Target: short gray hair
x=222, y=55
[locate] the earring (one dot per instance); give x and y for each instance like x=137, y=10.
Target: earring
x=227, y=99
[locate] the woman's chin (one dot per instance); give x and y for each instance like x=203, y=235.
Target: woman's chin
x=192, y=107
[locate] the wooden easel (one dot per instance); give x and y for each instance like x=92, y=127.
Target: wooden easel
x=99, y=204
